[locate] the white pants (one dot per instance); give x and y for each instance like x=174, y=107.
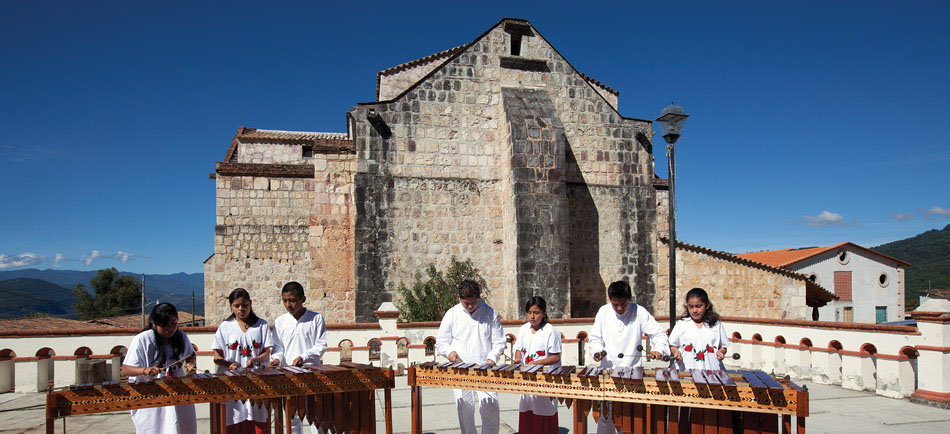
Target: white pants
x=606, y=423
x=296, y=427
x=487, y=409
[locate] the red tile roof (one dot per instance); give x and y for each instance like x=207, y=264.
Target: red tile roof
x=814, y=293
x=135, y=320
x=46, y=323
x=321, y=142
x=785, y=257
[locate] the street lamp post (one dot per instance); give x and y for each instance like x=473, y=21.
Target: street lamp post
x=670, y=124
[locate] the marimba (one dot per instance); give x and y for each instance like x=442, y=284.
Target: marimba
x=637, y=400
x=340, y=398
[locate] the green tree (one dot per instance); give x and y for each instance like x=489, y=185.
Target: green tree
x=112, y=295
x=428, y=299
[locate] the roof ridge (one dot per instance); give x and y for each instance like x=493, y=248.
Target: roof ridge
x=427, y=59
x=599, y=84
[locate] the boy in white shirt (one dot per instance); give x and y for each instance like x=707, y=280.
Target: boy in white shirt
x=471, y=332
x=300, y=337
x=615, y=336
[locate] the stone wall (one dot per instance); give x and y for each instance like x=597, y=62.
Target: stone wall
x=261, y=237
x=734, y=288
x=453, y=132
x=269, y=153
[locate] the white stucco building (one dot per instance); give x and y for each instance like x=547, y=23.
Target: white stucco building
x=869, y=285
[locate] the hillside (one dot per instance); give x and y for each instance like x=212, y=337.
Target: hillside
x=23, y=297
x=31, y=292
x=929, y=256
x=178, y=283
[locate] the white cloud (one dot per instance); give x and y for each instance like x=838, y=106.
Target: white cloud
x=21, y=260
x=59, y=258
x=827, y=218
x=93, y=255
x=124, y=256
x=936, y=211
x=902, y=216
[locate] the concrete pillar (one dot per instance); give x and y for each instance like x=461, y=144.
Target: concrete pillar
x=569, y=348
x=33, y=374
x=64, y=370
x=755, y=350
x=331, y=357
x=933, y=377
x=7, y=374
x=799, y=361
x=778, y=359
x=417, y=354
x=115, y=366
x=857, y=370
x=360, y=355
x=888, y=375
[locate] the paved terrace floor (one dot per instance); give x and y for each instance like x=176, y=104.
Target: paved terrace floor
x=833, y=410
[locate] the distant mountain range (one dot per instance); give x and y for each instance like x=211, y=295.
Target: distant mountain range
x=49, y=292
x=929, y=257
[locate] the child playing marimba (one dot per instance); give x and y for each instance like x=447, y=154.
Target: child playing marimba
x=471, y=332
x=300, y=337
x=698, y=340
x=242, y=341
x=161, y=350
x=538, y=343
x=615, y=337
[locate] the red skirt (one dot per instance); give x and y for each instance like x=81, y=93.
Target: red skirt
x=249, y=427
x=530, y=423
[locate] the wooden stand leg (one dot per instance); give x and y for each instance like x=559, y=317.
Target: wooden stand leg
x=416, y=410
x=277, y=414
x=580, y=418
x=801, y=425
x=50, y=425
x=388, y=398
x=222, y=418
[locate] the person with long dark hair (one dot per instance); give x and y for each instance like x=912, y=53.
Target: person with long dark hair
x=698, y=340
x=161, y=350
x=242, y=341
x=538, y=343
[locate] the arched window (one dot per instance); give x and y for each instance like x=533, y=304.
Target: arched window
x=805, y=342
x=346, y=350
x=374, y=347
x=430, y=345
x=402, y=347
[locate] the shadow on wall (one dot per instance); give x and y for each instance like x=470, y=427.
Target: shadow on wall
x=587, y=287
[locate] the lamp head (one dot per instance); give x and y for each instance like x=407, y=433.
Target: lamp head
x=671, y=122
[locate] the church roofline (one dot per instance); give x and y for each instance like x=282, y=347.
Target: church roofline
x=460, y=49
x=327, y=143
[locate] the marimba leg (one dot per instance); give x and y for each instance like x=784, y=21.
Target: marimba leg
x=278, y=414
x=50, y=425
x=580, y=418
x=801, y=425
x=388, y=398
x=416, y=410
x=786, y=423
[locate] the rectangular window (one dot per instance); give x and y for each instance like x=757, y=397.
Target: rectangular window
x=880, y=314
x=843, y=285
x=307, y=151
x=848, y=314
x=515, y=45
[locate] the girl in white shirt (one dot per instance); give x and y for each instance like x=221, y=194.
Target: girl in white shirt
x=242, y=341
x=538, y=343
x=699, y=341
x=161, y=350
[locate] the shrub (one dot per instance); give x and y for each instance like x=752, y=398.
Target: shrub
x=428, y=299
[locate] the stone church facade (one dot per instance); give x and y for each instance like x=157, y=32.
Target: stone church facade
x=498, y=151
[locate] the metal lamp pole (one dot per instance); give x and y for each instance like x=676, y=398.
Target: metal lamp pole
x=670, y=124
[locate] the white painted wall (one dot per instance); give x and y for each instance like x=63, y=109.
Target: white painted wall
x=867, y=293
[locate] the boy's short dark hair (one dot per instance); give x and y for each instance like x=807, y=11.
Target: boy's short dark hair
x=619, y=289
x=469, y=289
x=293, y=288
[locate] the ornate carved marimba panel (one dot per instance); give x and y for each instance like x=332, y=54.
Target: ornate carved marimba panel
x=339, y=398
x=634, y=396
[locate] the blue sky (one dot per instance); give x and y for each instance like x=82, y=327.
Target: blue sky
x=812, y=122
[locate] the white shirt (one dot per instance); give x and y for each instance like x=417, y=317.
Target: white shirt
x=621, y=334
x=238, y=346
x=305, y=338
x=143, y=353
x=536, y=346
x=474, y=337
x=699, y=344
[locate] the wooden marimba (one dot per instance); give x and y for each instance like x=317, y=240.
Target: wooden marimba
x=636, y=400
x=340, y=398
